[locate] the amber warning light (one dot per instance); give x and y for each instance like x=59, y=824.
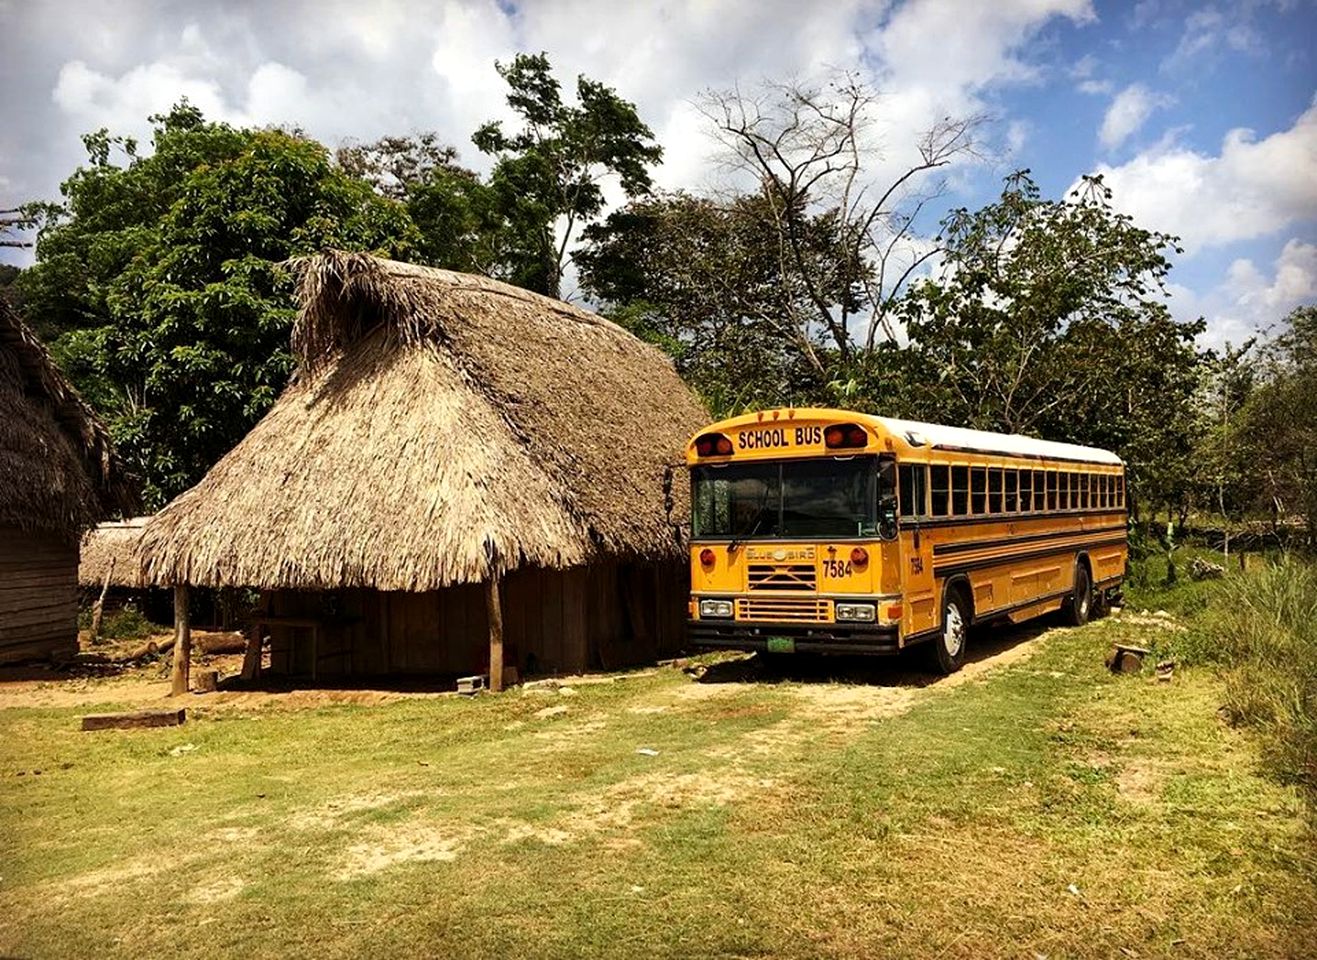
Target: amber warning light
x=845, y=436
x=713, y=445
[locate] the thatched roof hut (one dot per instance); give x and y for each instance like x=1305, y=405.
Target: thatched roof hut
x=58, y=476
x=109, y=550
x=441, y=429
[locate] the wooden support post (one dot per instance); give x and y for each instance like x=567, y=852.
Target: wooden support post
x=251, y=658
x=495, y=608
x=182, y=640
x=98, y=608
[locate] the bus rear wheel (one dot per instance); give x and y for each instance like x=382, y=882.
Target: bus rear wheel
x=1080, y=605
x=948, y=647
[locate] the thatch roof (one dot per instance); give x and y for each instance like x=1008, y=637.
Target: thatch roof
x=58, y=471
x=439, y=426
x=111, y=548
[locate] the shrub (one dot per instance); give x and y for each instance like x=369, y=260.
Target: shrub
x=127, y=623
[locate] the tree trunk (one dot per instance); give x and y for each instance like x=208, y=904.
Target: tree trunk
x=182, y=641
x=251, y=660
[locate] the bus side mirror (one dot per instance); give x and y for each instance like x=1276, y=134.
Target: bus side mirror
x=887, y=523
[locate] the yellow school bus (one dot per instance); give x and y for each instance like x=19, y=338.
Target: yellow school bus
x=829, y=531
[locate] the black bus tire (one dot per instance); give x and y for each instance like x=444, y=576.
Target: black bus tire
x=1080, y=605
x=947, y=649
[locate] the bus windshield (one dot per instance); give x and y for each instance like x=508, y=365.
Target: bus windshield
x=834, y=497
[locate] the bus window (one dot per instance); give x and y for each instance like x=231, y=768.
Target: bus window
x=1063, y=491
x=914, y=490
x=1012, y=504
x=994, y=490
x=978, y=490
x=1086, y=485
x=1039, y=491
x=960, y=491
x=1051, y=489
x=1104, y=488
x=941, y=487
x=1026, y=491
x=1120, y=492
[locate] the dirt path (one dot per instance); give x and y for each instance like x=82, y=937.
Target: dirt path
x=866, y=690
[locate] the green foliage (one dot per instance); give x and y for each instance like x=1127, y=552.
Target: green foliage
x=161, y=279
x=1277, y=438
x=1047, y=318
x=457, y=216
x=704, y=279
x=548, y=176
x=126, y=623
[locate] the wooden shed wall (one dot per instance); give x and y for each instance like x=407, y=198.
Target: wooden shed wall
x=603, y=616
x=38, y=596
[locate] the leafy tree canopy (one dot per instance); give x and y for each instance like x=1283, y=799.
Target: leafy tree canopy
x=549, y=175
x=159, y=277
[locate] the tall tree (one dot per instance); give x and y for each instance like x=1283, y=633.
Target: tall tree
x=1279, y=434
x=810, y=148
x=1049, y=317
x=458, y=218
x=162, y=278
x=549, y=175
x=700, y=277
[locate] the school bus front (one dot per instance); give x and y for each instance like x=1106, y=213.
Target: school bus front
x=794, y=535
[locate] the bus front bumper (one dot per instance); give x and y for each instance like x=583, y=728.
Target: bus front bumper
x=871, y=639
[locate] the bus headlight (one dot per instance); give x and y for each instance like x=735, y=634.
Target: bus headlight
x=715, y=609
x=862, y=612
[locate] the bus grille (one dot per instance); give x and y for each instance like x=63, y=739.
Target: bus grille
x=791, y=576
x=784, y=609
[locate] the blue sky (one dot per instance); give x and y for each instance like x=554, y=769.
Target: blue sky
x=1200, y=116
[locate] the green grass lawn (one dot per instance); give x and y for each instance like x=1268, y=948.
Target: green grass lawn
x=1039, y=808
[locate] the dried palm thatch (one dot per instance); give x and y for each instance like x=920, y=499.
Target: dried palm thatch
x=440, y=426
x=58, y=471
x=111, y=548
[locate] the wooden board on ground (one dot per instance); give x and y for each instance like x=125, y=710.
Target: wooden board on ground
x=140, y=718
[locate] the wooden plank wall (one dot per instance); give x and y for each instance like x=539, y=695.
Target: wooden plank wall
x=554, y=622
x=38, y=596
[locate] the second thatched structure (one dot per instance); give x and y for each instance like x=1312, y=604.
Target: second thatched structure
x=58, y=476
x=458, y=468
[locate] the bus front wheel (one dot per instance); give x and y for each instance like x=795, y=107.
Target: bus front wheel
x=949, y=646
x=1080, y=604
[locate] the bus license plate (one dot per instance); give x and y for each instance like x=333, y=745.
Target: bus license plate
x=781, y=645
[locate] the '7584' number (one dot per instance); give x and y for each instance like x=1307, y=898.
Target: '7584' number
x=836, y=569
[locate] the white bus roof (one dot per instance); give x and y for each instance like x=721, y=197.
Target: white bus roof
x=982, y=441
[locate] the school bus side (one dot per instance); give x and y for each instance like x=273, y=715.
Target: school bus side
x=1017, y=537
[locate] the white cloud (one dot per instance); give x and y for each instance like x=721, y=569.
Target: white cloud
x=339, y=68
x=1084, y=67
x=1096, y=87
x=1128, y=112
x=1249, y=301
x=1252, y=188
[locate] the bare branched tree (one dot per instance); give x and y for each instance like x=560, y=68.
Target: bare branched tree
x=846, y=244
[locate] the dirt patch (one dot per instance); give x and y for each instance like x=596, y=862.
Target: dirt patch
x=618, y=805
x=515, y=831
x=111, y=878
x=414, y=842
x=565, y=735
x=1141, y=780
x=335, y=813
x=216, y=891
